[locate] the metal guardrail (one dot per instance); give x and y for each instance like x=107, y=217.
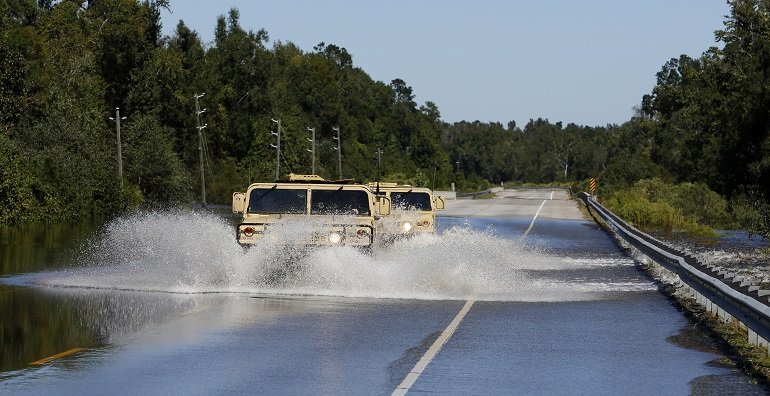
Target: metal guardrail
x=473, y=194
x=733, y=298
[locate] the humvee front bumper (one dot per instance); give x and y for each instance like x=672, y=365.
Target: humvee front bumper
x=360, y=235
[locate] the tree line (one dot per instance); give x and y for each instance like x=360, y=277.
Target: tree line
x=66, y=66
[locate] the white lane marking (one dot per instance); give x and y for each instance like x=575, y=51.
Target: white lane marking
x=551, y=195
x=410, y=378
x=532, y=224
x=418, y=368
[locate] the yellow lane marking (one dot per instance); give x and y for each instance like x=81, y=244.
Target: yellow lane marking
x=57, y=356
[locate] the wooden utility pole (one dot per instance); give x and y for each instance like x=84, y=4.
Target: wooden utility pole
x=120, y=152
x=277, y=147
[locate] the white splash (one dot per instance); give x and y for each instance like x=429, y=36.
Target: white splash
x=182, y=252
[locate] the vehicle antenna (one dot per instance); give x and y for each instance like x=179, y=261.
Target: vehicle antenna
x=379, y=159
x=339, y=149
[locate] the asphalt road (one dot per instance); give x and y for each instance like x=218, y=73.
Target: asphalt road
x=518, y=203
x=516, y=295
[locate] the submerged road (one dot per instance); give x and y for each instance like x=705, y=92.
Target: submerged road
x=517, y=295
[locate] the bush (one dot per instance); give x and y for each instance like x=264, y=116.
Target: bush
x=151, y=165
x=654, y=205
x=695, y=200
x=752, y=212
x=643, y=213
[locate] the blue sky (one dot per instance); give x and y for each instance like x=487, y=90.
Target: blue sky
x=587, y=62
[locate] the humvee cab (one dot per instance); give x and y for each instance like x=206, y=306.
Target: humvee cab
x=328, y=213
x=413, y=209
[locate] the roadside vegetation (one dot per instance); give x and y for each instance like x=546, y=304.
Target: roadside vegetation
x=686, y=207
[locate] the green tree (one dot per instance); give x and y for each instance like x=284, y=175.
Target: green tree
x=152, y=164
x=13, y=88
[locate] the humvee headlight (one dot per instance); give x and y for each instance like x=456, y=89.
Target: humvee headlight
x=406, y=226
x=362, y=232
x=248, y=231
x=335, y=238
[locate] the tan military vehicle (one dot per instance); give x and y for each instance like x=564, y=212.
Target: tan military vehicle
x=326, y=213
x=413, y=210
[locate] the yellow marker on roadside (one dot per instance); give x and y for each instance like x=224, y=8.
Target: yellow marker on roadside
x=57, y=356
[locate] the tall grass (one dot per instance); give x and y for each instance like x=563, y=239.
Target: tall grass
x=654, y=205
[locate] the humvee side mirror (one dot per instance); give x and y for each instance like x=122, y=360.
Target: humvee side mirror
x=238, y=202
x=440, y=202
x=383, y=206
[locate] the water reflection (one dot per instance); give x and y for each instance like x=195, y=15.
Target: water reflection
x=37, y=247
x=34, y=325
x=37, y=323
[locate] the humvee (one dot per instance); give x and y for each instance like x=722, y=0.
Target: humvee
x=412, y=210
x=330, y=213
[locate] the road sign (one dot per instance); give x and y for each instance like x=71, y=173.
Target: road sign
x=592, y=186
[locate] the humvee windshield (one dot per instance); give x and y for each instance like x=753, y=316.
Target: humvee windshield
x=339, y=202
x=266, y=200
x=410, y=200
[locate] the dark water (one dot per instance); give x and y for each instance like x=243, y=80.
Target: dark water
x=39, y=247
x=32, y=323
x=39, y=322
x=740, y=241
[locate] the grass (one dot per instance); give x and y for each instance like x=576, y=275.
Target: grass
x=485, y=196
x=654, y=205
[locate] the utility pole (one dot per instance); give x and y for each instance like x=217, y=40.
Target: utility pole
x=312, y=150
x=277, y=149
x=200, y=127
x=434, y=176
x=120, y=152
x=339, y=150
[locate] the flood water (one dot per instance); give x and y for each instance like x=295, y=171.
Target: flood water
x=178, y=282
